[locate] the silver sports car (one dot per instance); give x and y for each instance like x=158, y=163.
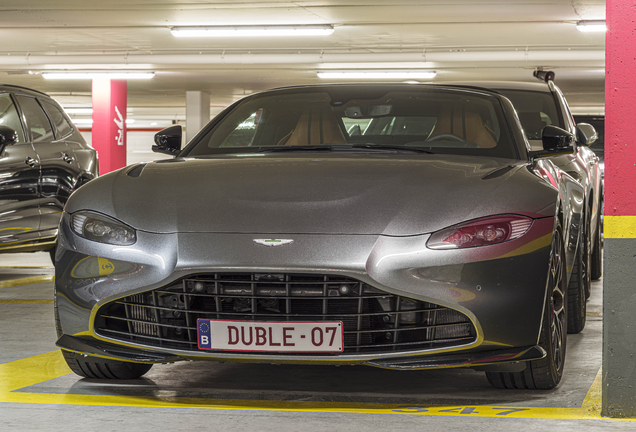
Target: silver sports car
x=398, y=226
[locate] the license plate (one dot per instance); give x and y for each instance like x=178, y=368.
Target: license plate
x=270, y=336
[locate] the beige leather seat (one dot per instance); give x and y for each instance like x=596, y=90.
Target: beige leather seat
x=315, y=128
x=463, y=120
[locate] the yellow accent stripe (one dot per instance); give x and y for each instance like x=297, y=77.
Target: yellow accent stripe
x=26, y=281
x=619, y=226
x=25, y=301
x=534, y=245
x=23, y=373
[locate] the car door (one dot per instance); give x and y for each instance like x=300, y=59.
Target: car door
x=19, y=177
x=58, y=171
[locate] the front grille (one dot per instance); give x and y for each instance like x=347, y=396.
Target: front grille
x=374, y=321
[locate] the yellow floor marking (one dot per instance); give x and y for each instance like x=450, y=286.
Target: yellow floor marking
x=25, y=301
x=19, y=374
x=31, y=370
x=593, y=399
x=26, y=281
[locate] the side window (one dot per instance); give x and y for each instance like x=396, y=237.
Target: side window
x=61, y=124
x=9, y=116
x=244, y=133
x=37, y=121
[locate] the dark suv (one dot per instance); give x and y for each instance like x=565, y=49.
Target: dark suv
x=43, y=158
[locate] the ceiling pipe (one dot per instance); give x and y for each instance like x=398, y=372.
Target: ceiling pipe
x=309, y=58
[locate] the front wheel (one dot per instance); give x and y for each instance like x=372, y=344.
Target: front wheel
x=98, y=368
x=545, y=373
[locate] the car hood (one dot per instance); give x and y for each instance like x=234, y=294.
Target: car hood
x=385, y=194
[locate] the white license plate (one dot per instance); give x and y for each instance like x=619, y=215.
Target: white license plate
x=278, y=336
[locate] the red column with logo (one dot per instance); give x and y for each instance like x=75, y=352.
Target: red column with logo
x=619, y=244
x=109, y=123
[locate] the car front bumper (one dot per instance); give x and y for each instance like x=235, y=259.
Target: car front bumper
x=500, y=288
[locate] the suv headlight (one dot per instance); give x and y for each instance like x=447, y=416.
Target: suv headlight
x=102, y=229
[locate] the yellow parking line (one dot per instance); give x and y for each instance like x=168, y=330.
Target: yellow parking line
x=593, y=399
x=26, y=281
x=19, y=374
x=25, y=301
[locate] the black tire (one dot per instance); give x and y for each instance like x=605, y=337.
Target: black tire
x=597, y=256
x=94, y=367
x=580, y=282
x=545, y=373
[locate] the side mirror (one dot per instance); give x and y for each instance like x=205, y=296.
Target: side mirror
x=168, y=140
x=586, y=134
x=557, y=140
x=7, y=136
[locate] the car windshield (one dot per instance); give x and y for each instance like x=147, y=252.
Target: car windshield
x=362, y=118
x=536, y=110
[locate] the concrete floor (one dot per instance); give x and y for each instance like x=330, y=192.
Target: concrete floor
x=38, y=392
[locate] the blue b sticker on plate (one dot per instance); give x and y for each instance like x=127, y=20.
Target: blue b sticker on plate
x=205, y=341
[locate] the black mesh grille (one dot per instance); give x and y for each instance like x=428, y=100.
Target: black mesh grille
x=374, y=321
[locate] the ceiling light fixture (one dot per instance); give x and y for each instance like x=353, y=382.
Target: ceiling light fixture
x=78, y=110
x=264, y=30
x=378, y=74
x=591, y=26
x=96, y=75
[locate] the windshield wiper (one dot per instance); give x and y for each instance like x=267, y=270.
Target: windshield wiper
x=366, y=148
x=295, y=149
x=397, y=148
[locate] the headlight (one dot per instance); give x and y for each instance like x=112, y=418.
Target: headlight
x=103, y=229
x=480, y=232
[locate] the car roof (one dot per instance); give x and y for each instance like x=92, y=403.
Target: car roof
x=508, y=85
x=15, y=88
x=385, y=85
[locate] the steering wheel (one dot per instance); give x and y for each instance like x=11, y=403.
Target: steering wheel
x=447, y=137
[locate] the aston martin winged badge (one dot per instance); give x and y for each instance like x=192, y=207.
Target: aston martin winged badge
x=273, y=242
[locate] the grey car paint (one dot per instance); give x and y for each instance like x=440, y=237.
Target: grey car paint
x=364, y=216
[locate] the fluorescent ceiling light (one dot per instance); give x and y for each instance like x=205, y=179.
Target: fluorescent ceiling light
x=591, y=26
x=265, y=30
x=377, y=74
x=79, y=110
x=95, y=75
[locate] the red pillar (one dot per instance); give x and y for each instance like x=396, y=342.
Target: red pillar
x=109, y=123
x=619, y=274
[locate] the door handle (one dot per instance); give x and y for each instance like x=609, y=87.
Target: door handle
x=66, y=158
x=30, y=162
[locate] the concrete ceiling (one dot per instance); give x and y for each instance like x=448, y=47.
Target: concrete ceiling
x=460, y=39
